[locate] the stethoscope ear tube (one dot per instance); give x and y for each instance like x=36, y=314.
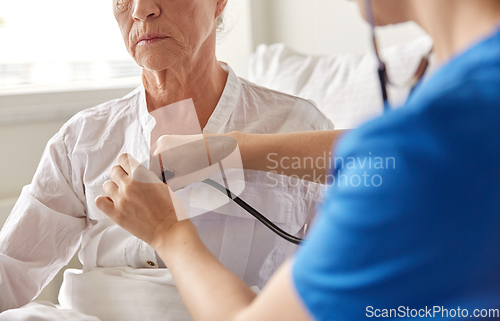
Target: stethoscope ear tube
x=382, y=71
x=382, y=75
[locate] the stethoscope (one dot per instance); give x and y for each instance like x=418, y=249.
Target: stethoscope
x=250, y=210
x=384, y=80
x=382, y=70
x=165, y=174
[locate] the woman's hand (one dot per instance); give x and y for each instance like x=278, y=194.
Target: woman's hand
x=139, y=202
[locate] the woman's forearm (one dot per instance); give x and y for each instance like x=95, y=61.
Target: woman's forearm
x=305, y=155
x=209, y=290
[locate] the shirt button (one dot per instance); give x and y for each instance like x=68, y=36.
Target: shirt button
x=151, y=263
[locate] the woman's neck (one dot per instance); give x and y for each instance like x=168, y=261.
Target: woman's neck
x=200, y=78
x=456, y=24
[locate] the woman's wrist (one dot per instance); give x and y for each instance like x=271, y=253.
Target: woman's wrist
x=178, y=234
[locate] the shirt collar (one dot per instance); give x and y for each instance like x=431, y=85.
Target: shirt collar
x=220, y=116
x=147, y=121
x=227, y=103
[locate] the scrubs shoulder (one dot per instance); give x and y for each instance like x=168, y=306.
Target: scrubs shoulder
x=410, y=223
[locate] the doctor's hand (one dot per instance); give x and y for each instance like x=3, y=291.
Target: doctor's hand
x=139, y=202
x=181, y=160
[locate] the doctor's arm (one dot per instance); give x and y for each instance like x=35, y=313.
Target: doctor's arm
x=304, y=154
x=209, y=290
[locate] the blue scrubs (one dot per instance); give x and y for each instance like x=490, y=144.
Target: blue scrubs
x=411, y=224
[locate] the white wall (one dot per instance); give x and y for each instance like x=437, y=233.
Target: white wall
x=320, y=26
x=235, y=42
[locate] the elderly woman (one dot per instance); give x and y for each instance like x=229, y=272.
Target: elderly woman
x=122, y=278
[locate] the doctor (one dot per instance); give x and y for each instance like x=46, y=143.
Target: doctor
x=421, y=240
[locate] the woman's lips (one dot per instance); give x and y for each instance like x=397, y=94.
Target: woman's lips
x=150, y=39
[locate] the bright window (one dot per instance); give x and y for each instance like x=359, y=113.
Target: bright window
x=55, y=44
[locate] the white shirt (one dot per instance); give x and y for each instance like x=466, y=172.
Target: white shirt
x=56, y=212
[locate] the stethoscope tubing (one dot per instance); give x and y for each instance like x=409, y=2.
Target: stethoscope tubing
x=250, y=210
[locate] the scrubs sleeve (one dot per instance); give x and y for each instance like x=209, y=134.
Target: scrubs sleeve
x=401, y=224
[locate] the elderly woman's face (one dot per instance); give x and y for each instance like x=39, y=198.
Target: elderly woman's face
x=160, y=33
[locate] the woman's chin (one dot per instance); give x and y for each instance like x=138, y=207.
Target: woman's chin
x=158, y=64
x=155, y=60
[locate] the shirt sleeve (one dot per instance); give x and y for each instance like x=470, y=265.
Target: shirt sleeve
x=43, y=231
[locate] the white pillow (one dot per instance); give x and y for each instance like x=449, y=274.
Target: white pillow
x=345, y=86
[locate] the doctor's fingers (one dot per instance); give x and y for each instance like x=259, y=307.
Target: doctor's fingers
x=105, y=204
